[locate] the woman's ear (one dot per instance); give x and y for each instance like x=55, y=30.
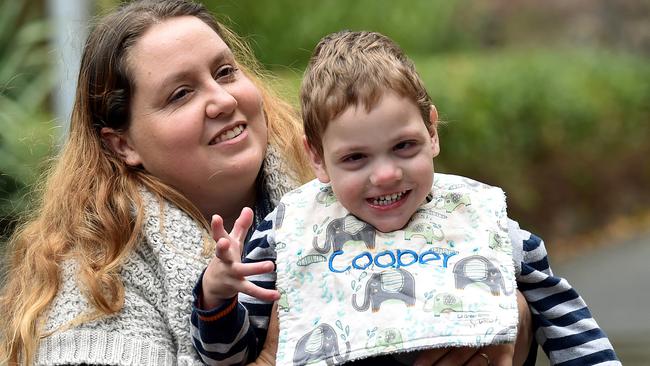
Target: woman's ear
x=433, y=131
x=317, y=163
x=121, y=145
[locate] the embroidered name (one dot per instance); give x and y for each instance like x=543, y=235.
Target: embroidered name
x=390, y=259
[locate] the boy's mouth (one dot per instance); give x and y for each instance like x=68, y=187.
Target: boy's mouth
x=388, y=199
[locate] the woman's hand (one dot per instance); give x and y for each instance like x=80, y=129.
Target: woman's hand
x=225, y=276
x=270, y=349
x=501, y=354
x=524, y=331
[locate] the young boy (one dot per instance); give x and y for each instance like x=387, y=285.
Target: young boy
x=432, y=258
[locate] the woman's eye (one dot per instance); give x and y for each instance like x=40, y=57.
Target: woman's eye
x=179, y=94
x=226, y=71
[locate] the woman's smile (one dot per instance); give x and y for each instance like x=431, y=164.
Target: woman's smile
x=229, y=134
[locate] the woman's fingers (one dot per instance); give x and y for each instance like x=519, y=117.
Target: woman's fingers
x=500, y=354
x=524, y=331
x=464, y=356
x=480, y=359
x=430, y=356
x=456, y=356
x=267, y=355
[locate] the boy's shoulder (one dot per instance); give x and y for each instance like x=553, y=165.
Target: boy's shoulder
x=313, y=188
x=450, y=182
x=450, y=192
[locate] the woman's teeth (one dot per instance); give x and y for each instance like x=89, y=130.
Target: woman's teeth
x=228, y=135
x=387, y=199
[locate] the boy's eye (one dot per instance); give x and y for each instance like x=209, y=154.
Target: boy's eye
x=352, y=158
x=404, y=145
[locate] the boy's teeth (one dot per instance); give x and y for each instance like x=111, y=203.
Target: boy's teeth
x=230, y=134
x=387, y=199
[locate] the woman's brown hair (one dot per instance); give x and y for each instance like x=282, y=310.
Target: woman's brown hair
x=90, y=207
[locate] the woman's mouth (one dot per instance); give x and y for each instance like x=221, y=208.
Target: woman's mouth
x=388, y=199
x=228, y=135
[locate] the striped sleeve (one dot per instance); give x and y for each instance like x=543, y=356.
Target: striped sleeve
x=233, y=333
x=562, y=322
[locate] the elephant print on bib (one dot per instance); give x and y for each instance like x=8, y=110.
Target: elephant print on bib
x=454, y=200
x=279, y=217
x=319, y=344
x=478, y=269
x=444, y=302
x=389, y=339
x=326, y=196
x=390, y=284
x=344, y=229
x=429, y=231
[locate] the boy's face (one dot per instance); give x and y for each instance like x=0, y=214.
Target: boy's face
x=379, y=163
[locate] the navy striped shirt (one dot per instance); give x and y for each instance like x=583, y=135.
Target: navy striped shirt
x=233, y=334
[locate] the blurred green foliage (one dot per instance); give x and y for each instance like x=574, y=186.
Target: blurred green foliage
x=26, y=81
x=285, y=31
x=564, y=132
x=550, y=101
x=546, y=100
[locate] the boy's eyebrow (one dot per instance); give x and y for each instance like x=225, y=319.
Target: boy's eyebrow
x=406, y=135
x=346, y=149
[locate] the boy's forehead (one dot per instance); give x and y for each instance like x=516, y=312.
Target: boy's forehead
x=365, y=105
x=396, y=115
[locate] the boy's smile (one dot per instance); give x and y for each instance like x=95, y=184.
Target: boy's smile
x=379, y=162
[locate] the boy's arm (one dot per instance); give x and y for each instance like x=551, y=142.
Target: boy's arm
x=562, y=322
x=234, y=332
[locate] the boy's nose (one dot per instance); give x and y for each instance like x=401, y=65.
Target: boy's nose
x=386, y=174
x=220, y=102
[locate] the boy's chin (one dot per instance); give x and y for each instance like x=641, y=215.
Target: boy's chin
x=388, y=226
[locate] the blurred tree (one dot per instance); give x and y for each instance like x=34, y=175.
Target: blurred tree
x=550, y=100
x=284, y=32
x=26, y=81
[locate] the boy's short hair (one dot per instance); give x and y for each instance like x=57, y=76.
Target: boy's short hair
x=355, y=69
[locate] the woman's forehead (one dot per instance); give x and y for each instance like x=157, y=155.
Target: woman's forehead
x=176, y=46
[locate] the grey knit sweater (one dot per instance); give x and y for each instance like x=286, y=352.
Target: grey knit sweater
x=153, y=327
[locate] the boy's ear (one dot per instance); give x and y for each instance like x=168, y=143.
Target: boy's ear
x=120, y=144
x=317, y=163
x=435, y=142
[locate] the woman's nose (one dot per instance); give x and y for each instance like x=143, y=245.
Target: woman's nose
x=386, y=173
x=220, y=101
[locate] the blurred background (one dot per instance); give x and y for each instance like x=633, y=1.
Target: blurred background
x=548, y=100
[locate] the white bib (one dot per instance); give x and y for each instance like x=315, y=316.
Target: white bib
x=350, y=292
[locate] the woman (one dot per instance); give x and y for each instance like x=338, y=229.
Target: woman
x=172, y=122
x=158, y=142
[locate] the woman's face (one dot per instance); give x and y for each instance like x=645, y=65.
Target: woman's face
x=196, y=120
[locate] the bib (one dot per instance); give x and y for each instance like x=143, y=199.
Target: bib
x=349, y=291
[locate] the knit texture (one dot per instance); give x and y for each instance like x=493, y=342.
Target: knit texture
x=153, y=326
x=278, y=177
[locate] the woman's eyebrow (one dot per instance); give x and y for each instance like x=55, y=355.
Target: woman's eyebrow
x=175, y=77
x=222, y=56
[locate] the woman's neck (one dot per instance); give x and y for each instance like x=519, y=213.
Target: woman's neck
x=230, y=207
